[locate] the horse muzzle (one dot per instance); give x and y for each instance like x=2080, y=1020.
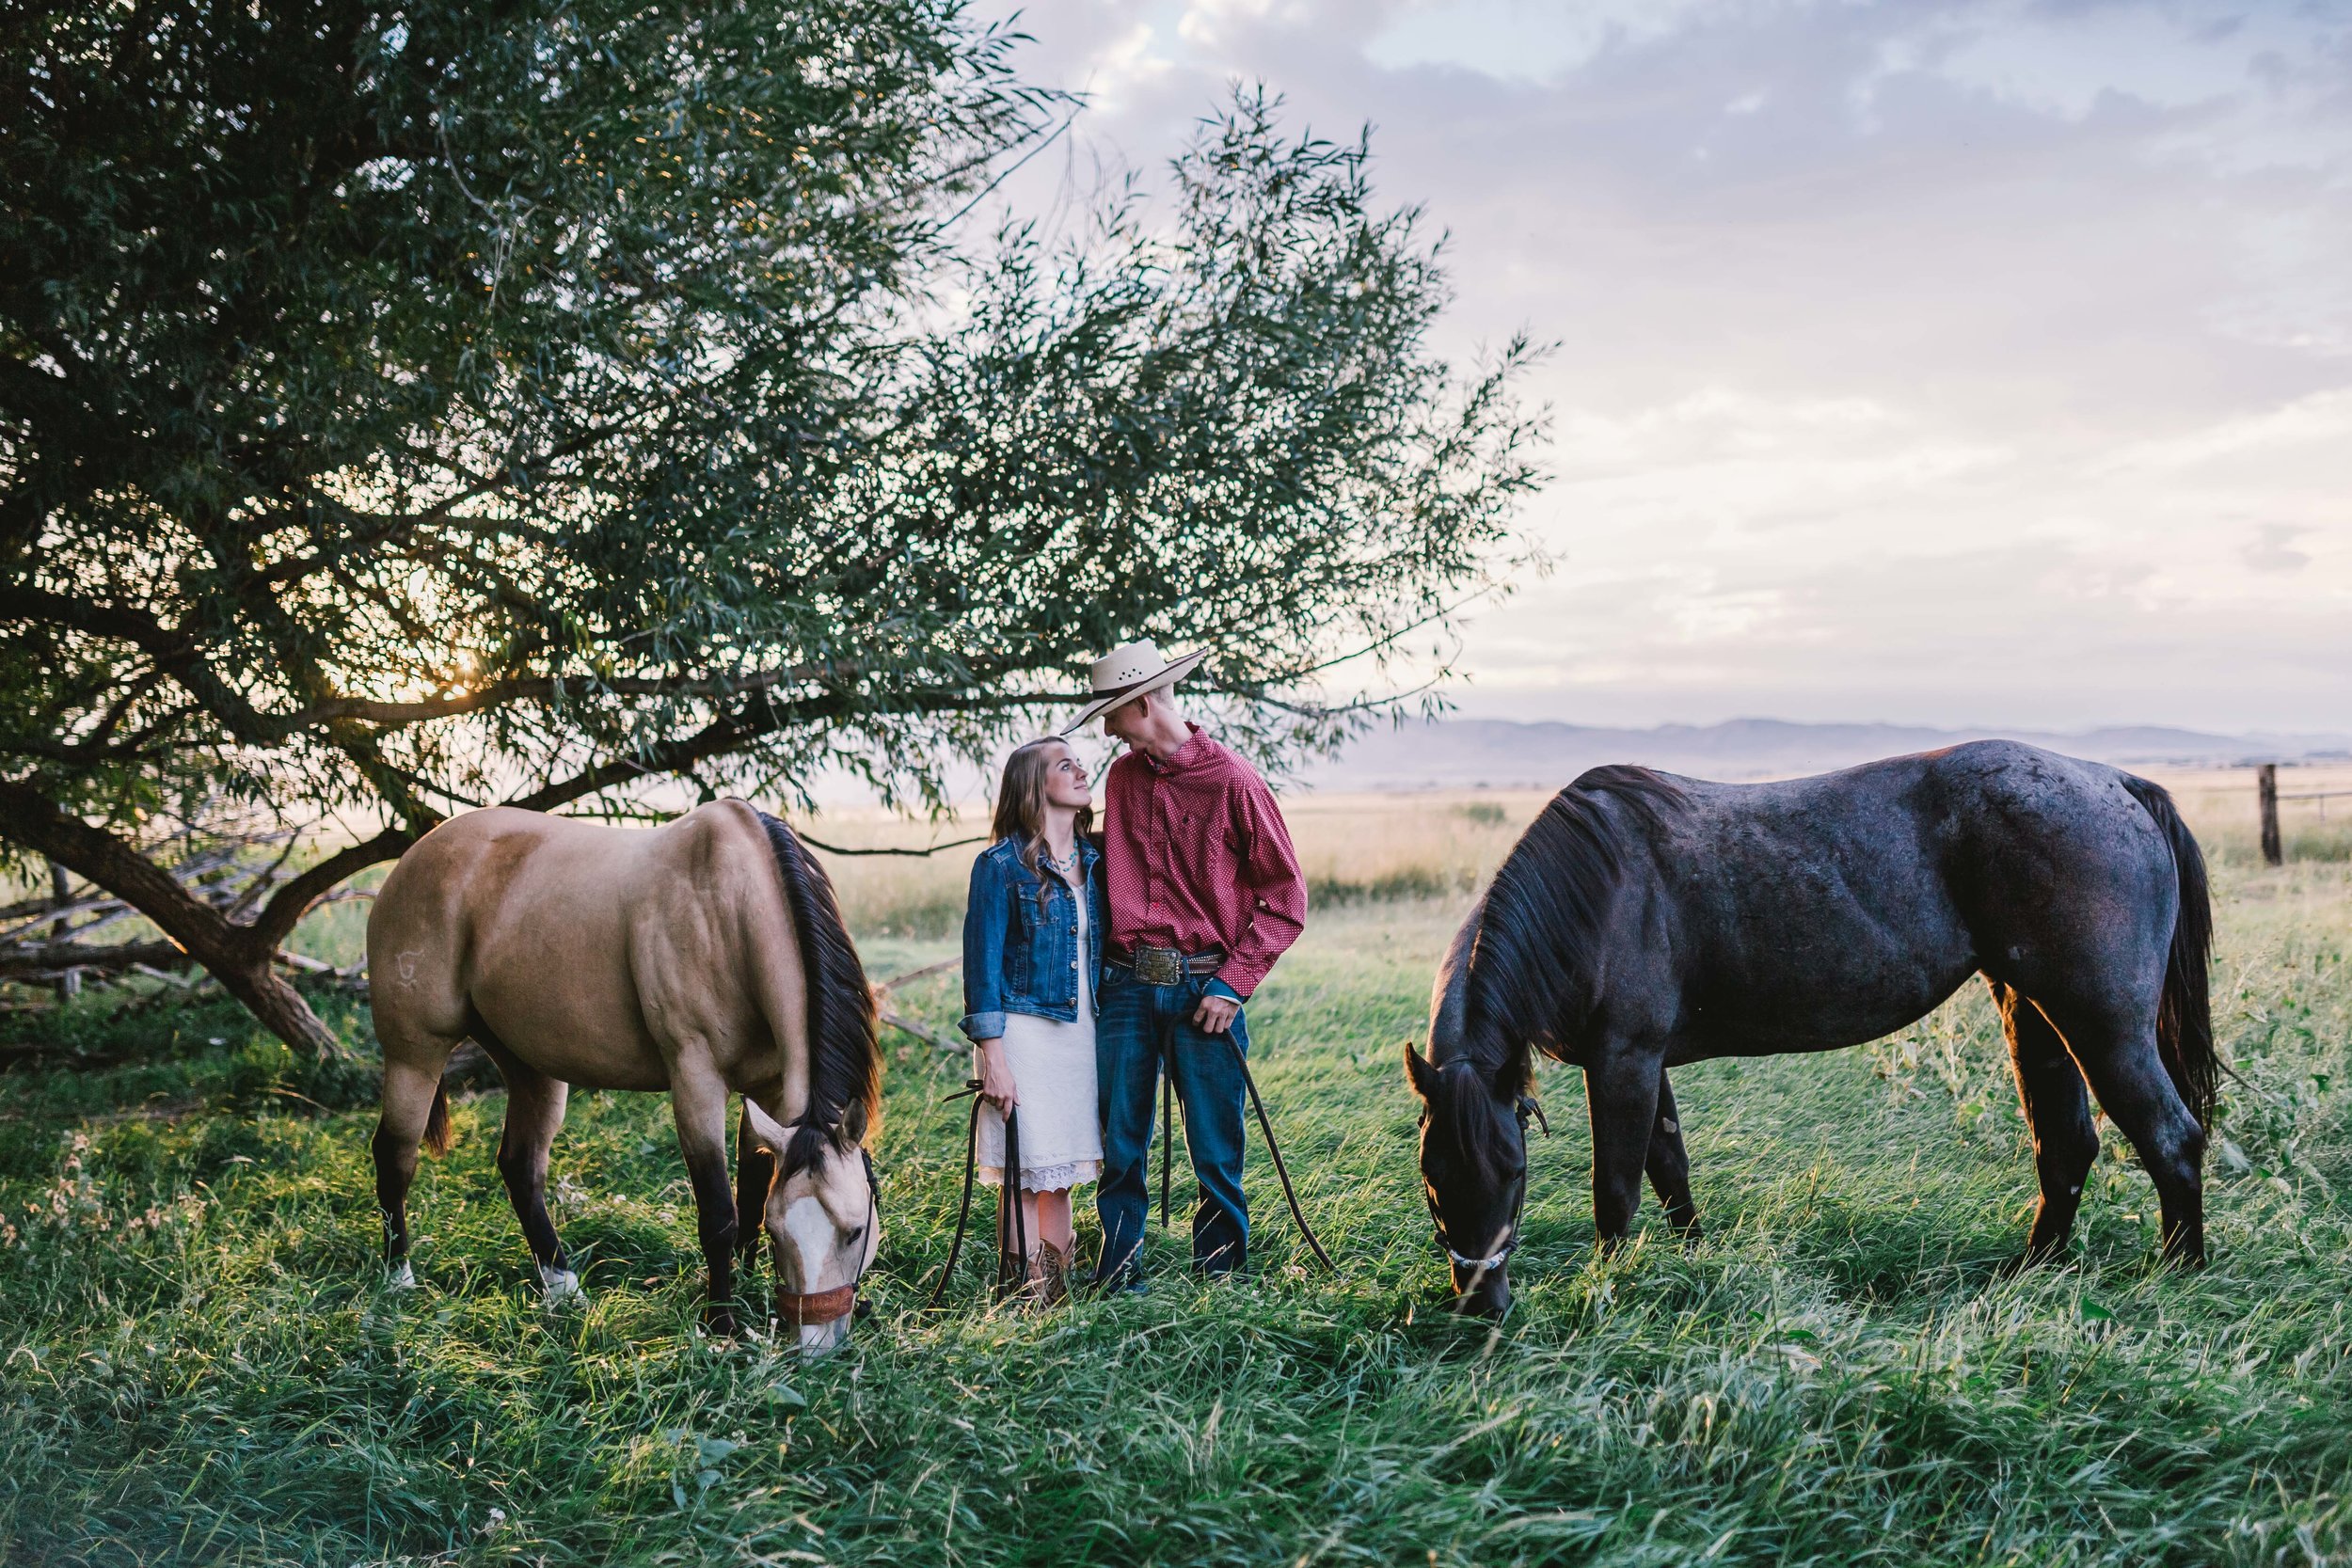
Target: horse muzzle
x=821, y=1317
x=1482, y=1293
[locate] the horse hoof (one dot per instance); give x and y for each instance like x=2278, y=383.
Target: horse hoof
x=558, y=1287
x=400, y=1276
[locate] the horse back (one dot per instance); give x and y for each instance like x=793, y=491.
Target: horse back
x=1819, y=912
x=596, y=954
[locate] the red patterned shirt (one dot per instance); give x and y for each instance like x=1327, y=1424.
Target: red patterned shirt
x=1196, y=856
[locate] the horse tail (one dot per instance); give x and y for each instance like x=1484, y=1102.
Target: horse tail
x=845, y=1058
x=438, y=1134
x=2185, y=1015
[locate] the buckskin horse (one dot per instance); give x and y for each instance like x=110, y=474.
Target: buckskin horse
x=704, y=957
x=1645, y=921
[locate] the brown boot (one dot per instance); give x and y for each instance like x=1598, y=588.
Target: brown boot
x=1049, y=1276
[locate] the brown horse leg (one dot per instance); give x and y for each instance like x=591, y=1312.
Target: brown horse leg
x=698, y=1102
x=1670, y=1166
x=754, y=1174
x=1621, y=1095
x=2127, y=1074
x=408, y=1091
x=2057, y=1112
x=534, y=1113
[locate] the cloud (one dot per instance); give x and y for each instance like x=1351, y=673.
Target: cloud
x=1917, y=360
x=2272, y=549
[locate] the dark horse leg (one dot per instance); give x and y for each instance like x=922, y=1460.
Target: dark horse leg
x=1621, y=1092
x=412, y=1087
x=534, y=1113
x=698, y=1102
x=1670, y=1166
x=2119, y=1057
x=754, y=1174
x=2057, y=1112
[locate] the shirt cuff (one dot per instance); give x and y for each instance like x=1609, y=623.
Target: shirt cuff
x=982, y=1026
x=1218, y=988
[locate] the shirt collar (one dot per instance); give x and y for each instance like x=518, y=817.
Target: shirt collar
x=1189, y=755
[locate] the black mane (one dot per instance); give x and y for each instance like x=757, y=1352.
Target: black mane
x=1524, y=955
x=844, y=1052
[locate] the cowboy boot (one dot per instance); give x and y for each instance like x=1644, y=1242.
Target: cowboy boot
x=1049, y=1276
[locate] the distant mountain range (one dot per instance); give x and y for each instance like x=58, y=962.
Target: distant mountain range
x=1466, y=753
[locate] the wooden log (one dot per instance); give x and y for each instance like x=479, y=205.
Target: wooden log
x=2267, y=790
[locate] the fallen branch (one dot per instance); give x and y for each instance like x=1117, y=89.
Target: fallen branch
x=898, y=1020
x=942, y=967
x=49, y=961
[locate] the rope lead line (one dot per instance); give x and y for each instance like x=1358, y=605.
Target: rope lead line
x=963, y=1209
x=1012, y=1238
x=1289, y=1196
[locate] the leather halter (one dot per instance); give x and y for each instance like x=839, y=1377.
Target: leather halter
x=815, y=1308
x=1522, y=1108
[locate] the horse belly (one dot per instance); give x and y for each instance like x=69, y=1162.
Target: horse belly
x=549, y=975
x=1821, y=952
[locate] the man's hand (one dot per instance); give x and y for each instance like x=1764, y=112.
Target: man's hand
x=996, y=1085
x=1216, y=1014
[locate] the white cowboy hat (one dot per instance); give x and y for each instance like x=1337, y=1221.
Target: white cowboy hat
x=1126, y=674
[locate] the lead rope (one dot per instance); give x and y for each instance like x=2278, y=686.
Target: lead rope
x=1009, y=1225
x=1281, y=1170
x=1012, y=1240
x=1168, y=1126
x=1265, y=1126
x=963, y=1209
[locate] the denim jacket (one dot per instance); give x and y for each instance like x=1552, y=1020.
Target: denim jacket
x=1017, y=960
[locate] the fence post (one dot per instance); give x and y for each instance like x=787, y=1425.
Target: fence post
x=61, y=893
x=2266, y=787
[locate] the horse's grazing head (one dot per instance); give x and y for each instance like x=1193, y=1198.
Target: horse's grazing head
x=824, y=1222
x=1473, y=1173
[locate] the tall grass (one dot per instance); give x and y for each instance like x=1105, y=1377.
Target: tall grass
x=197, y=1365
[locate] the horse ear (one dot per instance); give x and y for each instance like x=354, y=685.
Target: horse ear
x=1418, y=1071
x=854, y=1125
x=766, y=1131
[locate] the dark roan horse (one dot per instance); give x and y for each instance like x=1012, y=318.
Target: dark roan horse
x=1645, y=920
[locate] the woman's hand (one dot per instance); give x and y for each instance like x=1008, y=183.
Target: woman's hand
x=996, y=1086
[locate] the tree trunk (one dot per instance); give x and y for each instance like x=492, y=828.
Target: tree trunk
x=239, y=957
x=279, y=1006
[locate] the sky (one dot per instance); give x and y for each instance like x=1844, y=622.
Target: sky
x=1983, y=364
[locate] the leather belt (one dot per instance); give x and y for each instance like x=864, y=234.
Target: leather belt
x=1166, y=966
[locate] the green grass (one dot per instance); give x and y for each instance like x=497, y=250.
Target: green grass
x=196, y=1365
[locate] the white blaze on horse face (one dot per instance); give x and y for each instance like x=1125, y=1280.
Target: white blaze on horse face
x=809, y=1231
x=816, y=1243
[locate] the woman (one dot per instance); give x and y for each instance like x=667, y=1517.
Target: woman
x=1032, y=945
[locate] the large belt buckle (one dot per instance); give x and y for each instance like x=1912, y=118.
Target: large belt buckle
x=1159, y=966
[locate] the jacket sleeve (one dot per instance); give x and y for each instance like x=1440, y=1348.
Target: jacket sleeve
x=1273, y=884
x=984, y=953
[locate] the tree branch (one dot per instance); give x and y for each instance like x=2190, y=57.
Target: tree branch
x=290, y=903
x=232, y=953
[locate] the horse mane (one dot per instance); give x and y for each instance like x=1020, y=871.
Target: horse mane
x=1525, y=956
x=844, y=1049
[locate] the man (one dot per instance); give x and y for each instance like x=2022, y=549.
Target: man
x=1204, y=895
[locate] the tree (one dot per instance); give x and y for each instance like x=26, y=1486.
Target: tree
x=407, y=409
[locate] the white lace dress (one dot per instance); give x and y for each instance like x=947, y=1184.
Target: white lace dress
x=1053, y=1071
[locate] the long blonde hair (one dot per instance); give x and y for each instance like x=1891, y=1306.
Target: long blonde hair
x=1020, y=804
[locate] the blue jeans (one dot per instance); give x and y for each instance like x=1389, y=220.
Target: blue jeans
x=1137, y=1028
